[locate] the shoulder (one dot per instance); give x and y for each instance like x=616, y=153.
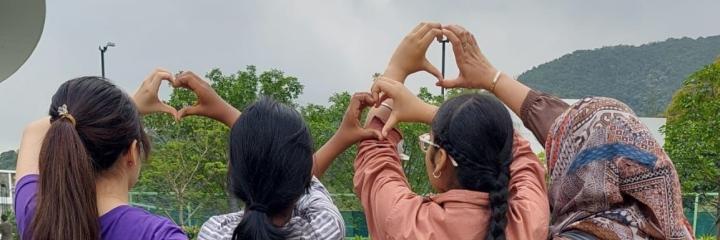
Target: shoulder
x=24, y=200
x=316, y=214
x=220, y=226
x=142, y=223
x=316, y=199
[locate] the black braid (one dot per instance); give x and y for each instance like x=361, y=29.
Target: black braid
x=499, y=196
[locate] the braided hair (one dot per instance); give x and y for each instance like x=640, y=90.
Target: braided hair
x=476, y=130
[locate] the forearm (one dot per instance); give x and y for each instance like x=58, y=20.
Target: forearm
x=325, y=156
x=511, y=92
x=426, y=112
x=230, y=116
x=395, y=74
x=30, y=146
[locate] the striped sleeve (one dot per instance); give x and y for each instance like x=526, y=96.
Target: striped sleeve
x=320, y=211
x=219, y=227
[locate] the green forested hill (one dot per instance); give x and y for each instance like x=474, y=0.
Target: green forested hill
x=644, y=77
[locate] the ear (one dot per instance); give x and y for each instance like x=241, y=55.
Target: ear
x=442, y=160
x=133, y=155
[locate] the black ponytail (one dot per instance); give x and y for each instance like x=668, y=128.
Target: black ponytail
x=257, y=225
x=476, y=130
x=270, y=166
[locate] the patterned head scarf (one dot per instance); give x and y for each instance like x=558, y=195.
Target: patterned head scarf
x=609, y=177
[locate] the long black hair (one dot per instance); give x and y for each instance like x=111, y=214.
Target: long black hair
x=476, y=130
x=271, y=158
x=101, y=125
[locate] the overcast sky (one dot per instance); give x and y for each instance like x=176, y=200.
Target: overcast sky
x=329, y=45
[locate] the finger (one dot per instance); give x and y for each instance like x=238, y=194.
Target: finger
x=163, y=107
x=440, y=36
x=452, y=36
x=426, y=27
x=158, y=76
x=386, y=87
x=450, y=83
x=455, y=42
x=472, y=40
x=383, y=97
x=381, y=85
x=195, y=83
x=188, y=79
x=431, y=35
x=365, y=99
x=354, y=107
x=389, y=124
x=456, y=29
x=428, y=67
x=189, y=111
x=370, y=133
x=375, y=91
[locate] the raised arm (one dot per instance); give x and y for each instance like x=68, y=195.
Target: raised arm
x=537, y=110
x=349, y=133
x=30, y=145
x=408, y=58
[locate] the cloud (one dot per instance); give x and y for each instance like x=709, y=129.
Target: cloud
x=330, y=46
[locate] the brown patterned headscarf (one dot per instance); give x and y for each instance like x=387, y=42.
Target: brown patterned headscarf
x=610, y=178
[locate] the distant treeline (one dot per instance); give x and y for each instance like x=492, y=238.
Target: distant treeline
x=8, y=160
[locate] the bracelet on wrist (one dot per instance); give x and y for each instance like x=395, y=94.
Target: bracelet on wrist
x=495, y=80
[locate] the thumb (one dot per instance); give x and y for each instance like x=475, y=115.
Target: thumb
x=428, y=67
x=451, y=83
x=370, y=134
x=389, y=125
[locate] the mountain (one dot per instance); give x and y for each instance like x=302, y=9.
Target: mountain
x=8, y=160
x=644, y=77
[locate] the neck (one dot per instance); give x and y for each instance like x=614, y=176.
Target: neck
x=280, y=220
x=112, y=191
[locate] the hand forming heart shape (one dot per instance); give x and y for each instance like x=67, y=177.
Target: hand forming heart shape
x=146, y=97
x=209, y=103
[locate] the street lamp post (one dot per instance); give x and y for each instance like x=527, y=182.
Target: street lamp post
x=444, y=41
x=103, y=49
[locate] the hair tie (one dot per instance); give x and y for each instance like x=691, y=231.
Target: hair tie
x=258, y=208
x=63, y=112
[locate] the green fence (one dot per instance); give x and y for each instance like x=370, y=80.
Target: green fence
x=699, y=208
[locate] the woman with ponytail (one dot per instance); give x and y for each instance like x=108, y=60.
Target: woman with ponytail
x=272, y=168
x=609, y=177
x=489, y=183
x=75, y=168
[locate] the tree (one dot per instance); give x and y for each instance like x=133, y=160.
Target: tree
x=8, y=160
x=185, y=176
x=692, y=132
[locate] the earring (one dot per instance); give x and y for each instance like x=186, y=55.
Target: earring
x=437, y=176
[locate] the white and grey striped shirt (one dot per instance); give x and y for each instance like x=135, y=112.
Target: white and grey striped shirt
x=315, y=217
